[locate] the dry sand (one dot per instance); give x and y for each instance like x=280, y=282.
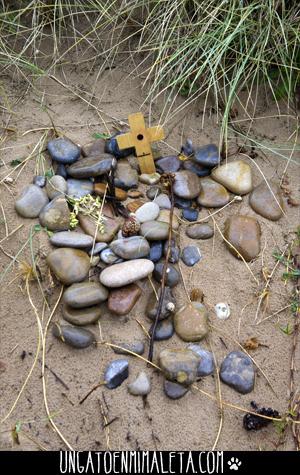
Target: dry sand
x=192, y=422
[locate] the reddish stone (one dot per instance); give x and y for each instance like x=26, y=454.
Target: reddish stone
x=122, y=300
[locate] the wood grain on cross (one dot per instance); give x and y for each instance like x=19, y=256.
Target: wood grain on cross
x=140, y=138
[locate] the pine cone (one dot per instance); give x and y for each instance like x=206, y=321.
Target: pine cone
x=131, y=227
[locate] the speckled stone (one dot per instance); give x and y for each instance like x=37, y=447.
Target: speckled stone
x=111, y=227
x=174, y=390
x=235, y=176
x=95, y=165
x=63, y=150
x=191, y=255
x=164, y=330
x=121, y=301
x=116, y=372
x=163, y=201
x=200, y=170
x=79, y=188
x=71, y=239
x=191, y=322
x=168, y=305
x=238, y=372
x=69, y=265
x=141, y=386
x=56, y=185
x=147, y=212
x=207, y=156
x=111, y=146
x=85, y=294
x=172, y=278
x=74, y=336
x=154, y=230
x=186, y=185
x=55, y=216
x=153, y=192
x=133, y=247
x=207, y=364
x=243, y=233
x=190, y=214
x=169, y=164
x=200, y=231
x=156, y=251
x=137, y=347
x=212, y=194
x=126, y=272
x=179, y=365
x=268, y=203
x=126, y=177
x=82, y=316
x=31, y=201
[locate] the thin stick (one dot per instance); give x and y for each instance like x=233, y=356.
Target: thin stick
x=4, y=219
x=105, y=425
x=220, y=402
x=273, y=314
x=91, y=391
x=11, y=233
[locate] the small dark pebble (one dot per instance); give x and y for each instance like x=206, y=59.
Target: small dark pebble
x=174, y=390
x=63, y=150
x=253, y=422
x=39, y=180
x=174, y=251
x=172, y=275
x=153, y=192
x=200, y=170
x=111, y=146
x=207, y=156
x=137, y=347
x=164, y=330
x=73, y=336
x=190, y=214
x=156, y=251
x=191, y=255
x=61, y=171
x=116, y=372
x=187, y=149
x=182, y=203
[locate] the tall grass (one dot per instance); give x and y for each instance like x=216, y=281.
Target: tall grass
x=225, y=50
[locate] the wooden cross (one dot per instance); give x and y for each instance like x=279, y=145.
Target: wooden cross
x=140, y=138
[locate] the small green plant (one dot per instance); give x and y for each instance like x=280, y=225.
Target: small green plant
x=37, y=228
x=89, y=206
x=288, y=329
x=98, y=135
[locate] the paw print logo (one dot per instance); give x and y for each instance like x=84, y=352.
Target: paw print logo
x=234, y=463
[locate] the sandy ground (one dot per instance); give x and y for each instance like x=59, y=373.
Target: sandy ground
x=193, y=421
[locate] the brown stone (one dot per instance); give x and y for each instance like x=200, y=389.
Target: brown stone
x=212, y=194
x=243, y=234
x=122, y=300
x=93, y=148
x=69, y=265
x=135, y=194
x=191, y=322
x=111, y=227
x=267, y=203
x=99, y=189
x=82, y=316
x=134, y=205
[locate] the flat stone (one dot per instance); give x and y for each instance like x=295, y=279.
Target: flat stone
x=154, y=230
x=174, y=251
x=134, y=205
x=190, y=214
x=153, y=192
x=141, y=386
x=212, y=194
x=238, y=372
x=116, y=372
x=77, y=189
x=95, y=165
x=109, y=257
x=235, y=176
x=98, y=247
x=99, y=189
x=131, y=248
x=182, y=203
x=71, y=239
x=172, y=275
x=81, y=316
x=156, y=251
x=126, y=177
x=111, y=227
x=69, y=265
x=243, y=233
x=55, y=216
x=111, y=146
x=199, y=231
x=174, y=390
x=191, y=322
x=61, y=170
x=135, y=194
x=207, y=156
x=191, y=255
x=93, y=148
x=179, y=365
x=31, y=201
x=268, y=203
x=149, y=178
x=199, y=170
x=63, y=150
x=164, y=217
x=121, y=301
x=186, y=185
x=207, y=364
x=147, y=212
x=163, y=201
x=164, y=330
x=169, y=164
x=85, y=294
x=126, y=272
x=56, y=185
x=74, y=336
x=168, y=305
x=39, y=180
x=137, y=347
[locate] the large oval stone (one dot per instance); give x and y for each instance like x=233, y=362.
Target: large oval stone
x=121, y=301
x=31, y=201
x=81, y=316
x=55, y=216
x=186, y=184
x=199, y=231
x=238, y=372
x=243, y=234
x=179, y=365
x=267, y=201
x=85, y=294
x=191, y=322
x=155, y=230
x=71, y=239
x=212, y=194
x=69, y=265
x=63, y=150
x=131, y=248
x=87, y=167
x=126, y=272
x=73, y=336
x=89, y=225
x=235, y=176
x=147, y=212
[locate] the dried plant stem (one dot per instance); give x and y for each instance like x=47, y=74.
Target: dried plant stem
x=274, y=314
x=220, y=402
x=105, y=425
x=11, y=233
x=4, y=220
x=91, y=391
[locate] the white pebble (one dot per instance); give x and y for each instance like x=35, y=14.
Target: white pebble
x=222, y=310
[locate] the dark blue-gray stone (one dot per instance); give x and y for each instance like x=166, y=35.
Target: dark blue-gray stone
x=182, y=203
x=169, y=164
x=63, y=150
x=208, y=156
x=95, y=165
x=111, y=146
x=156, y=251
x=174, y=390
x=187, y=149
x=172, y=275
x=61, y=171
x=237, y=371
x=167, y=308
x=73, y=336
x=164, y=330
x=190, y=214
x=174, y=251
x=79, y=188
x=194, y=167
x=39, y=180
x=207, y=364
x=116, y=372
x=153, y=192
x=191, y=255
x=137, y=347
